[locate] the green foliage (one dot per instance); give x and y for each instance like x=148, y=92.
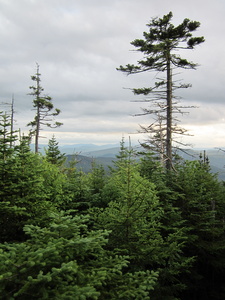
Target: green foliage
x=159, y=47
x=96, y=180
x=53, y=154
x=152, y=234
x=193, y=204
x=162, y=38
x=82, y=191
x=201, y=202
x=44, y=109
x=140, y=226
x=67, y=261
x=159, y=41
x=76, y=191
x=7, y=138
x=29, y=187
x=23, y=185
x=130, y=211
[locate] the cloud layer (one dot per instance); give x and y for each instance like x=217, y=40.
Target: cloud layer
x=79, y=45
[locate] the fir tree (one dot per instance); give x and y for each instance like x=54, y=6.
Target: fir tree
x=141, y=227
x=53, y=154
x=7, y=137
x=45, y=111
x=159, y=46
x=96, y=181
x=65, y=260
x=201, y=202
x=30, y=187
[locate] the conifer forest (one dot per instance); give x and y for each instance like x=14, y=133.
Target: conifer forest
x=152, y=227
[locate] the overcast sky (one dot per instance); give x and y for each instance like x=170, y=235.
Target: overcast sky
x=80, y=43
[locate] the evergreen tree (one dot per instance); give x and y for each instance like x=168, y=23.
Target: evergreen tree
x=7, y=167
x=30, y=188
x=77, y=191
x=65, y=260
x=201, y=202
x=141, y=227
x=45, y=111
x=23, y=188
x=96, y=181
x=53, y=154
x=7, y=137
x=159, y=46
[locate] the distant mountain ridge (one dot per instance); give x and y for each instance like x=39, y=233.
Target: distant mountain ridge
x=77, y=148
x=86, y=148
x=85, y=163
x=105, y=154
x=216, y=158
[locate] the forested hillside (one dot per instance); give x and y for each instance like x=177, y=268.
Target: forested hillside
x=151, y=227
x=139, y=232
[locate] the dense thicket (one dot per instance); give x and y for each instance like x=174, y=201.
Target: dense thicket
x=136, y=233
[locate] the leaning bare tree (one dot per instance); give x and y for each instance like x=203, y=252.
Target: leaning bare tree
x=160, y=46
x=44, y=107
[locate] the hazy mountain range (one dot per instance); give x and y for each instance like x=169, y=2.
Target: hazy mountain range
x=105, y=154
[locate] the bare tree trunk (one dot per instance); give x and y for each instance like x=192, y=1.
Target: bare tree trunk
x=169, y=116
x=38, y=112
x=12, y=120
x=37, y=130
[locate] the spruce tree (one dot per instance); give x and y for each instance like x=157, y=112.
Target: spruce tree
x=44, y=107
x=53, y=154
x=77, y=190
x=201, y=203
x=96, y=181
x=7, y=137
x=144, y=226
x=66, y=260
x=8, y=151
x=159, y=47
x=30, y=187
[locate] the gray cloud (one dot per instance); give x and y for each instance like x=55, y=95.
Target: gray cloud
x=79, y=45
